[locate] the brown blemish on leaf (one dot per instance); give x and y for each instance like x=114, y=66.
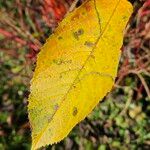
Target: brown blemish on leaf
x=76, y=16
x=92, y=56
x=60, y=61
x=78, y=33
x=60, y=38
x=56, y=106
x=57, y=61
x=83, y=13
x=88, y=7
x=89, y=44
x=75, y=111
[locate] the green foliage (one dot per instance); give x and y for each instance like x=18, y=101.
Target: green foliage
x=13, y=112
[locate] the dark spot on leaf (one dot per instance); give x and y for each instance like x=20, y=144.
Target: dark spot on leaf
x=83, y=13
x=56, y=106
x=87, y=7
x=76, y=16
x=124, y=17
x=58, y=61
x=75, y=111
x=92, y=56
x=60, y=38
x=78, y=33
x=89, y=44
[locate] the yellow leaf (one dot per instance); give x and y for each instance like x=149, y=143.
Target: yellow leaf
x=76, y=68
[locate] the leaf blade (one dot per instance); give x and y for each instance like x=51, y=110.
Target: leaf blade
x=85, y=49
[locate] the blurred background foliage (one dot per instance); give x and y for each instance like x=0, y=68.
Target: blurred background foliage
x=120, y=121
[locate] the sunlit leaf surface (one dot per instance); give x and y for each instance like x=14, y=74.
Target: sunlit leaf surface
x=76, y=68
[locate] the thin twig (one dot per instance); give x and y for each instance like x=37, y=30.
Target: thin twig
x=72, y=7
x=142, y=81
x=130, y=95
